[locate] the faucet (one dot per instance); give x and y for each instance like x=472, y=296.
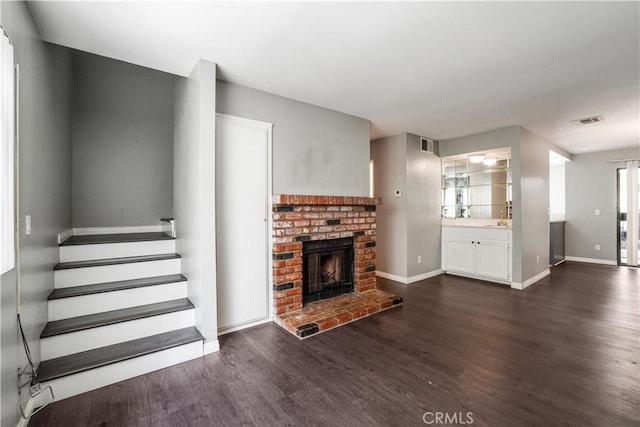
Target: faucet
x=502, y=221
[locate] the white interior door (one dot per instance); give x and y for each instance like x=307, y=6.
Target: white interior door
x=243, y=189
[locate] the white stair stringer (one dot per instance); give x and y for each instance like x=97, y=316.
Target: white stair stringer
x=75, y=342
x=72, y=253
x=82, y=305
x=112, y=273
x=92, y=379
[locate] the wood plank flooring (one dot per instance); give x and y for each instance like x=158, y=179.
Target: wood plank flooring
x=563, y=352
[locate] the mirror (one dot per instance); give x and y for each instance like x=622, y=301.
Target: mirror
x=477, y=185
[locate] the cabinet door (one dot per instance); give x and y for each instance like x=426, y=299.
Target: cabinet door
x=493, y=259
x=460, y=255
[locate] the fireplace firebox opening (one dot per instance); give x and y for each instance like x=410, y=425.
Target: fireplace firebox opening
x=327, y=268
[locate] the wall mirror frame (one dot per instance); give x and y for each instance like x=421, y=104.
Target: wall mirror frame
x=477, y=185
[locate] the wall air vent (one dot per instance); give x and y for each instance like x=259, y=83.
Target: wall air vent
x=427, y=145
x=587, y=120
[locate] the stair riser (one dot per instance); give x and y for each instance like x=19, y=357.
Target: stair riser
x=115, y=250
x=95, y=378
x=83, y=305
x=88, y=339
x=113, y=273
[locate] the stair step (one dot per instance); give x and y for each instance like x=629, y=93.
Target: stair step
x=166, y=219
x=95, y=239
x=114, y=261
x=80, y=362
x=74, y=324
x=76, y=291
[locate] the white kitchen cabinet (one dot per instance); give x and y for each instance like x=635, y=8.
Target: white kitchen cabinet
x=480, y=252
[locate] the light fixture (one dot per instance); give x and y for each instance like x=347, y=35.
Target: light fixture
x=476, y=158
x=489, y=162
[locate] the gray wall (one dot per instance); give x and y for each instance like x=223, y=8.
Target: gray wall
x=591, y=184
x=45, y=189
x=390, y=174
x=423, y=209
x=194, y=184
x=530, y=176
x=505, y=137
x=407, y=226
x=315, y=150
x=534, y=203
x=122, y=143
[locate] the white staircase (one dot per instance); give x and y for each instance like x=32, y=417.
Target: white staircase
x=119, y=309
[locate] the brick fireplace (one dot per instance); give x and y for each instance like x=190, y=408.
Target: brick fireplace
x=299, y=221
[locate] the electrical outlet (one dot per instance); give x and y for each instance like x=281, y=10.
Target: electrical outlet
x=27, y=225
x=419, y=259
x=597, y=212
x=538, y=259
x=597, y=247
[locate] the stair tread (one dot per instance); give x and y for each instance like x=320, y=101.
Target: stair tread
x=80, y=323
x=166, y=219
x=114, y=261
x=76, y=291
x=86, y=360
x=97, y=239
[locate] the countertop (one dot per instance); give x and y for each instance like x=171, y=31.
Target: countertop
x=477, y=223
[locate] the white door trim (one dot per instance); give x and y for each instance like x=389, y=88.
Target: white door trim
x=268, y=128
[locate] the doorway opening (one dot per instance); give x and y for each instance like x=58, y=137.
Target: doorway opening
x=628, y=215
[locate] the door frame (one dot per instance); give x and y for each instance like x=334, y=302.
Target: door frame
x=633, y=175
x=268, y=128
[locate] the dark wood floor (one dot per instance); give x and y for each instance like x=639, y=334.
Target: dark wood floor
x=563, y=352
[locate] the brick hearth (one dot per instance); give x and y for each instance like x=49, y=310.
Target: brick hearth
x=297, y=219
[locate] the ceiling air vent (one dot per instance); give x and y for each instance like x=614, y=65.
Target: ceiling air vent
x=587, y=120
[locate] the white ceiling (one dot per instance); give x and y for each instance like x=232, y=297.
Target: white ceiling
x=435, y=69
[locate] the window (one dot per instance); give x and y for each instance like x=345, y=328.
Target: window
x=7, y=134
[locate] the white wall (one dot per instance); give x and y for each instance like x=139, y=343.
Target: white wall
x=45, y=190
x=315, y=150
x=557, y=204
x=591, y=183
x=194, y=192
x=122, y=143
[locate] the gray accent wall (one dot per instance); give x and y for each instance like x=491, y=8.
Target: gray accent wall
x=534, y=213
x=530, y=176
x=315, y=150
x=499, y=138
x=194, y=186
x=591, y=183
x=390, y=173
x=423, y=209
x=406, y=226
x=45, y=190
x=122, y=143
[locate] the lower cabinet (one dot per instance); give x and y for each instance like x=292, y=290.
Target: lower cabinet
x=481, y=252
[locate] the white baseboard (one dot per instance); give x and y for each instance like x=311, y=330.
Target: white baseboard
x=408, y=280
x=65, y=235
x=229, y=329
x=85, y=231
x=211, y=347
x=591, y=260
x=531, y=281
